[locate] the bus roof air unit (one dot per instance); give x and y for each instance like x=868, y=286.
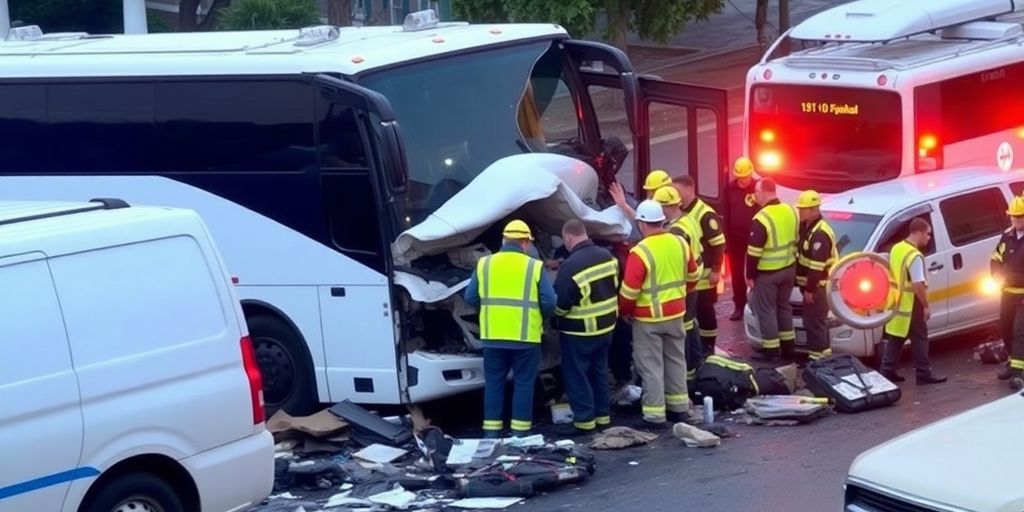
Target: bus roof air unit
x=874, y=21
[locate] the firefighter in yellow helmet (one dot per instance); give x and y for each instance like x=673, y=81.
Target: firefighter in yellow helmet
x=655, y=180
x=910, y=321
x=1007, y=265
x=683, y=225
x=816, y=253
x=740, y=208
x=712, y=243
x=514, y=295
x=771, y=270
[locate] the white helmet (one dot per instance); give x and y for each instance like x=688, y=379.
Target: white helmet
x=650, y=211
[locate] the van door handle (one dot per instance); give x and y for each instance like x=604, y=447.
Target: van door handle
x=958, y=261
x=337, y=291
x=936, y=266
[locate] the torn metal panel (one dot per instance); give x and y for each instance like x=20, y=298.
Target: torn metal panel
x=545, y=189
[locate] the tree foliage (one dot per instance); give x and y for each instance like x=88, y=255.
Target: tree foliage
x=267, y=15
x=93, y=16
x=656, y=20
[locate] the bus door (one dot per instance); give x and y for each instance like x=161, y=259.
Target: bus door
x=361, y=171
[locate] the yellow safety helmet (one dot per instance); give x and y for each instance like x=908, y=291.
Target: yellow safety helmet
x=667, y=196
x=743, y=168
x=1016, y=207
x=657, y=179
x=808, y=199
x=517, y=230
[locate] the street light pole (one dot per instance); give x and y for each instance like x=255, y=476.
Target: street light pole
x=134, y=16
x=5, y=19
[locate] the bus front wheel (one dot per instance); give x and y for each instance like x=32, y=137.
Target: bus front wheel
x=285, y=366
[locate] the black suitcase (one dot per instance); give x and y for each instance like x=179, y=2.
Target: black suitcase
x=851, y=385
x=728, y=382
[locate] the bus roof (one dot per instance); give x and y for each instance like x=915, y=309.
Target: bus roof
x=355, y=50
x=904, y=192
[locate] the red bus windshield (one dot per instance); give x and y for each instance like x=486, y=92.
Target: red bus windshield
x=827, y=138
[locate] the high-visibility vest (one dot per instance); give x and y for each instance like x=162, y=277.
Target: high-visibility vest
x=700, y=210
x=780, y=222
x=900, y=258
x=509, y=298
x=691, y=232
x=599, y=304
x=810, y=264
x=665, y=256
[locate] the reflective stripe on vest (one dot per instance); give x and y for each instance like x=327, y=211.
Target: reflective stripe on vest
x=806, y=261
x=780, y=222
x=900, y=258
x=599, y=304
x=692, y=233
x=665, y=255
x=509, y=303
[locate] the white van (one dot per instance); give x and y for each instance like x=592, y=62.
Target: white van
x=967, y=211
x=968, y=462
x=127, y=379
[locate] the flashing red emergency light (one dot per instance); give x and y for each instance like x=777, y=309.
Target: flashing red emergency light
x=864, y=285
x=769, y=160
x=767, y=136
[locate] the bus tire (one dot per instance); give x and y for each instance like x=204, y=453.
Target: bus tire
x=285, y=366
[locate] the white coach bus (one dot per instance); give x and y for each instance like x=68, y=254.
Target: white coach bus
x=876, y=89
x=348, y=175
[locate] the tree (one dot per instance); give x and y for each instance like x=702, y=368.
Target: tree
x=339, y=12
x=268, y=15
x=189, y=21
x=657, y=20
x=93, y=16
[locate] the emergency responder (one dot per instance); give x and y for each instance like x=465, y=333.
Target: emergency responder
x=587, y=288
x=683, y=225
x=514, y=295
x=911, y=317
x=771, y=270
x=712, y=243
x=1008, y=266
x=816, y=255
x=741, y=204
x=659, y=271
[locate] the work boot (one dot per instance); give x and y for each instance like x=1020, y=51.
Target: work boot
x=570, y=430
x=642, y=424
x=931, y=378
x=677, y=417
x=492, y=434
x=737, y=313
x=769, y=355
x=1016, y=379
x=1005, y=372
x=892, y=376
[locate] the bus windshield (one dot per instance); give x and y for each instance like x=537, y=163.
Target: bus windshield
x=457, y=115
x=852, y=230
x=824, y=137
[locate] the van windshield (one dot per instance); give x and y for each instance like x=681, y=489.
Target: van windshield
x=852, y=230
x=457, y=115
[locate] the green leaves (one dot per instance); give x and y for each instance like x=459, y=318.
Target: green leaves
x=268, y=15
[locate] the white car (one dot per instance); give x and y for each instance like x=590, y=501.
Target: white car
x=967, y=211
x=967, y=462
x=127, y=377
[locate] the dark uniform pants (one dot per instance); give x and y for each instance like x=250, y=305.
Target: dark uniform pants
x=707, y=318
x=770, y=301
x=524, y=363
x=736, y=251
x=620, y=355
x=585, y=372
x=694, y=349
x=918, y=336
x=816, y=323
x=1011, y=325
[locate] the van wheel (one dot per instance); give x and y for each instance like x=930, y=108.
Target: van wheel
x=286, y=371
x=138, y=492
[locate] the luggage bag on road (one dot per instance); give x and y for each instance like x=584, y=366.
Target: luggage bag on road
x=851, y=385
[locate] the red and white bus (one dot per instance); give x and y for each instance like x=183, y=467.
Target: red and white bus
x=875, y=89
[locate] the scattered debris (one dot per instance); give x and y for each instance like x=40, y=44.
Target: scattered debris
x=486, y=503
x=785, y=408
x=992, y=352
x=617, y=438
x=379, y=453
x=368, y=428
x=695, y=437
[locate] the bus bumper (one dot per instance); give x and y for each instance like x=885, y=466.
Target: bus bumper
x=432, y=375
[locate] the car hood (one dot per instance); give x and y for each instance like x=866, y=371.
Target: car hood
x=543, y=189
x=970, y=461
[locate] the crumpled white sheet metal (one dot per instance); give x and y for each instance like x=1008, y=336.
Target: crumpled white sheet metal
x=547, y=189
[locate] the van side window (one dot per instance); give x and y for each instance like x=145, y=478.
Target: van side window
x=32, y=339
x=974, y=216
x=901, y=233
x=138, y=298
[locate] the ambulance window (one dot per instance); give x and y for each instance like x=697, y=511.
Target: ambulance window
x=898, y=233
x=974, y=216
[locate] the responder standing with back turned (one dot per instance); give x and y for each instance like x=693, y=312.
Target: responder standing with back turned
x=683, y=225
x=911, y=317
x=659, y=271
x=817, y=253
x=712, y=243
x=1008, y=266
x=771, y=271
x=588, y=307
x=741, y=206
x=514, y=295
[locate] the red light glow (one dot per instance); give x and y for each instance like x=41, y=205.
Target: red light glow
x=767, y=136
x=865, y=285
x=769, y=160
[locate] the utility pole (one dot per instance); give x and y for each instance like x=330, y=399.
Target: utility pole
x=785, y=48
x=5, y=20
x=134, y=17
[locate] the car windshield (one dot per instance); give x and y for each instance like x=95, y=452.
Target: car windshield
x=852, y=230
x=457, y=115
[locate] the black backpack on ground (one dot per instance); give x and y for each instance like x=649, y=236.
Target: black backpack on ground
x=851, y=385
x=727, y=381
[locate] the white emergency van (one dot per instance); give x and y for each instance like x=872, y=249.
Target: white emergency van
x=967, y=211
x=127, y=377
